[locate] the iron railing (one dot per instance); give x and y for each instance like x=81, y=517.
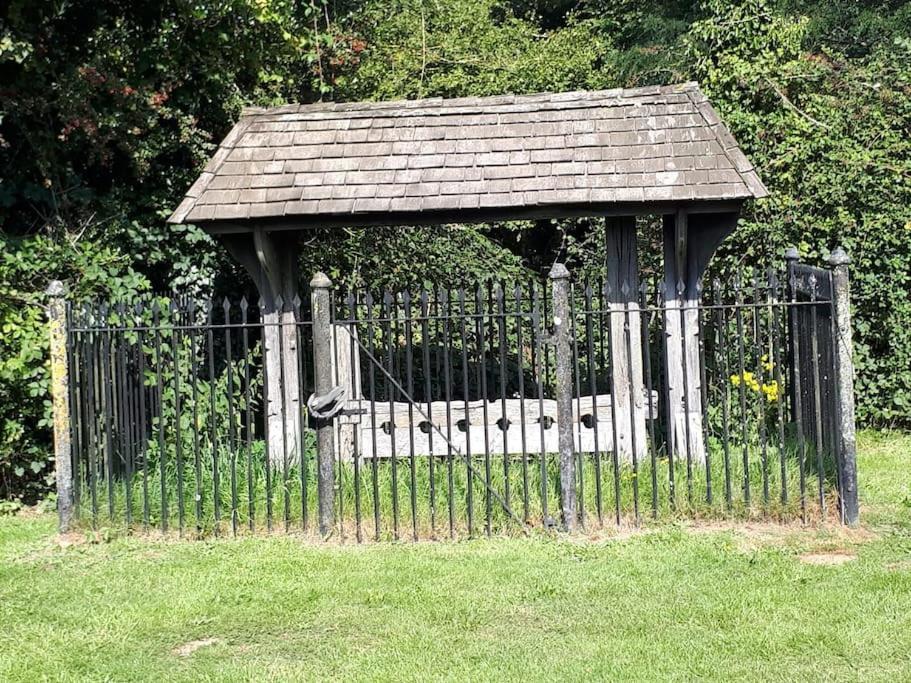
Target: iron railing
x=448, y=425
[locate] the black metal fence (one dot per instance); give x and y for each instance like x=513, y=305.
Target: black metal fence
x=445, y=421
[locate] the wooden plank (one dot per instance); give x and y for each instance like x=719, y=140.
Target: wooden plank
x=379, y=413
x=424, y=445
x=429, y=440
x=347, y=374
x=417, y=218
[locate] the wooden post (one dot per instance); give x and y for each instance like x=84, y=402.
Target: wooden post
x=626, y=336
x=684, y=399
x=347, y=355
x=323, y=363
x=272, y=264
x=60, y=384
x=563, y=367
x=844, y=351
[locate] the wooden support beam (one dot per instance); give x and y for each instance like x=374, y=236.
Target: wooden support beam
x=690, y=241
x=271, y=262
x=625, y=335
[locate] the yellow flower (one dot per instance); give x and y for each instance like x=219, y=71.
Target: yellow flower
x=771, y=391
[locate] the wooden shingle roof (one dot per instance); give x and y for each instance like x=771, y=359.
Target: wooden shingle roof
x=411, y=158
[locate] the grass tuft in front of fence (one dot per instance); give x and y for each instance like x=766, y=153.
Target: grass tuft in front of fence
x=240, y=493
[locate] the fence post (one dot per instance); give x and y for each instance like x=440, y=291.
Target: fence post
x=322, y=380
x=559, y=277
x=844, y=349
x=791, y=259
x=60, y=383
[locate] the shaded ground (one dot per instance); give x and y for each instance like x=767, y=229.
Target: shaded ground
x=758, y=601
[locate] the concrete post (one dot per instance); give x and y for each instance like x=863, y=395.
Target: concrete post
x=323, y=363
x=844, y=351
x=60, y=384
x=559, y=277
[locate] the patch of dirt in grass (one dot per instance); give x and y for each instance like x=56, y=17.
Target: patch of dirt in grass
x=192, y=646
x=900, y=566
x=753, y=536
x=828, y=559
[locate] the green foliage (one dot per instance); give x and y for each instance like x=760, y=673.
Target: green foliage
x=381, y=258
x=832, y=141
x=470, y=47
x=108, y=110
x=26, y=267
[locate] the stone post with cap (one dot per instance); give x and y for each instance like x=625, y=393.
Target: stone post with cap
x=563, y=369
x=844, y=358
x=60, y=383
x=322, y=379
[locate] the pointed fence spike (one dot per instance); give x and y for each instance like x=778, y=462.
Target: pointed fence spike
x=296, y=301
x=244, y=304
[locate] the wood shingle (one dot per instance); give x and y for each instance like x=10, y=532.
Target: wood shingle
x=653, y=144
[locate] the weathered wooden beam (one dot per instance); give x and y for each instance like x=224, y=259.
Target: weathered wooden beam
x=271, y=262
x=320, y=221
x=625, y=334
x=347, y=354
x=378, y=420
x=690, y=241
x=379, y=413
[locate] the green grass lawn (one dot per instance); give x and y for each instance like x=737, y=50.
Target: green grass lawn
x=672, y=602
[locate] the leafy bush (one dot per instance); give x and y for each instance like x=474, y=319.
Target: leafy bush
x=26, y=267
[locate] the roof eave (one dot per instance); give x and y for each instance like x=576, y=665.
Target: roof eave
x=469, y=216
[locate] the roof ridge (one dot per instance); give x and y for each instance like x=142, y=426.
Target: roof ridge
x=544, y=97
